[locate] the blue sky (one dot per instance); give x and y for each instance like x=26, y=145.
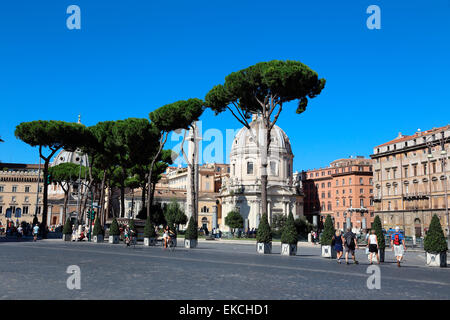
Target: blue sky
x=131, y=57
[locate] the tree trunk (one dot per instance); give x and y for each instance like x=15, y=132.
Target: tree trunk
x=264, y=153
x=43, y=226
x=66, y=198
x=102, y=199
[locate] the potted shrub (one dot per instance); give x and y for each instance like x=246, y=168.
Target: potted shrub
x=67, y=230
x=435, y=245
x=326, y=239
x=264, y=237
x=289, y=237
x=234, y=221
x=191, y=235
x=114, y=232
x=98, y=232
x=149, y=233
x=380, y=237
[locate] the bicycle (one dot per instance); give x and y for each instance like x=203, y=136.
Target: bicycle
x=130, y=240
x=171, y=244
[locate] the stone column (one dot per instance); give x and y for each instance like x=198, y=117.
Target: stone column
x=214, y=217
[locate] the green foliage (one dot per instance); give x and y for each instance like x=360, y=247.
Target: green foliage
x=67, y=227
x=234, y=220
x=435, y=240
x=131, y=225
x=303, y=226
x=177, y=115
x=376, y=225
x=149, y=229
x=191, y=231
x=64, y=172
x=264, y=234
x=174, y=215
x=278, y=223
x=114, y=229
x=52, y=134
x=98, y=230
x=284, y=80
x=328, y=232
x=289, y=234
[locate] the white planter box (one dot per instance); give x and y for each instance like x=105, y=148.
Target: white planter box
x=190, y=243
x=436, y=259
x=98, y=238
x=114, y=239
x=329, y=252
x=149, y=242
x=264, y=248
x=67, y=237
x=288, y=249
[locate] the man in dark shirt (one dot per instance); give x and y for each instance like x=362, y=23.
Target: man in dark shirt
x=350, y=245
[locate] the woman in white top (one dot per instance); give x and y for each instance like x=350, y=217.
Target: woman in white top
x=373, y=246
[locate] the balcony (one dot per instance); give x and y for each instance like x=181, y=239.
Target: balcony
x=415, y=196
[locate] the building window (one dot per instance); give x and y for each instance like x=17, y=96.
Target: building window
x=424, y=168
x=13, y=199
x=273, y=168
x=351, y=202
x=1, y=209
x=323, y=195
x=329, y=184
x=27, y=199
x=323, y=185
x=25, y=210
x=433, y=167
x=27, y=189
x=415, y=171
x=361, y=181
x=1, y=198
x=249, y=167
x=361, y=203
x=406, y=172
x=14, y=188
x=343, y=181
x=361, y=191
x=2, y=188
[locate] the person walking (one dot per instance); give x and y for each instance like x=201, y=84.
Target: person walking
x=350, y=245
x=398, y=245
x=19, y=232
x=373, y=246
x=35, y=232
x=338, y=241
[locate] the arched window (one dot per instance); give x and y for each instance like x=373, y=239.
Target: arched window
x=249, y=167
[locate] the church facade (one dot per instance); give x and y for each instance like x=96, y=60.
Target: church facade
x=242, y=190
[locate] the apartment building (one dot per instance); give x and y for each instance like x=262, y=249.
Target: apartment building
x=18, y=192
x=411, y=180
x=343, y=190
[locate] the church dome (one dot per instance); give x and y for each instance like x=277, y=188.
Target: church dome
x=68, y=156
x=245, y=157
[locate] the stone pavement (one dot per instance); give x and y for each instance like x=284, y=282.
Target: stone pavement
x=214, y=270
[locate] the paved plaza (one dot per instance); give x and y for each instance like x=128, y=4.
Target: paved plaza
x=215, y=270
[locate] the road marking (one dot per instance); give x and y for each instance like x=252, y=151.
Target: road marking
x=240, y=263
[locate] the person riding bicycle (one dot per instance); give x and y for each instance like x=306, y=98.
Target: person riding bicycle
x=168, y=236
